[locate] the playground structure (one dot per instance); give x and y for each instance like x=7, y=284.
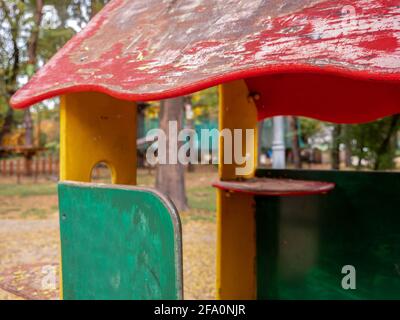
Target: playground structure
x=20, y=159
x=282, y=234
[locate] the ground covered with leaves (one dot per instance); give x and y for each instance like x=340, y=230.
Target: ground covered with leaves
x=29, y=237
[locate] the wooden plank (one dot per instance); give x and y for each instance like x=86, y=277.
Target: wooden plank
x=275, y=187
x=119, y=242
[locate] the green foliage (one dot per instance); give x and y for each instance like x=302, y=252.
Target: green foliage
x=52, y=40
x=43, y=139
x=374, y=142
x=17, y=24
x=53, y=146
x=205, y=104
x=309, y=128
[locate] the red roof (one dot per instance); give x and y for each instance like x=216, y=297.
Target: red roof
x=293, y=53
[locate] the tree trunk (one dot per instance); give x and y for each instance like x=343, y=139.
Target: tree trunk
x=359, y=162
x=28, y=124
x=189, y=126
x=170, y=178
x=295, y=142
x=7, y=125
x=12, y=74
x=33, y=40
x=347, y=143
x=32, y=59
x=348, y=154
x=39, y=128
x=386, y=143
x=336, y=135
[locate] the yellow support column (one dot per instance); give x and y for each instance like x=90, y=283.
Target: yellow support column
x=236, y=247
x=96, y=128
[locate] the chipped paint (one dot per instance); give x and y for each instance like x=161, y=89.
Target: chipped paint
x=147, y=50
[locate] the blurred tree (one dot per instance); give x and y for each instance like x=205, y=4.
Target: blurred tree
x=347, y=148
x=170, y=178
x=374, y=142
x=205, y=104
x=294, y=134
x=335, y=151
x=32, y=61
x=189, y=116
x=31, y=32
x=309, y=128
x=11, y=15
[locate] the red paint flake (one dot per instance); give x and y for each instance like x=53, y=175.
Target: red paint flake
x=388, y=44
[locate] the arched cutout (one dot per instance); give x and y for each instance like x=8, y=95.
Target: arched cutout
x=102, y=173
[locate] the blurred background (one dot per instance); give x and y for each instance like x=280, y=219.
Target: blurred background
x=31, y=32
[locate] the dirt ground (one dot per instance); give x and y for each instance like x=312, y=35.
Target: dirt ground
x=29, y=237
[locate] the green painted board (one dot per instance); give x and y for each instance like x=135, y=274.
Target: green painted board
x=303, y=242
x=119, y=242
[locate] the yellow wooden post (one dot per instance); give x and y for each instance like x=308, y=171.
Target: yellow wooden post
x=236, y=247
x=96, y=128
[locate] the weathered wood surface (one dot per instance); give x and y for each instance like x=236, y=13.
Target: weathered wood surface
x=147, y=50
x=275, y=187
x=119, y=242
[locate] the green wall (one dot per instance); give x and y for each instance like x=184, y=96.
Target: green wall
x=303, y=242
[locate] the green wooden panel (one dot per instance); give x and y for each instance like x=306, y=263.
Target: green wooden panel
x=303, y=242
x=119, y=243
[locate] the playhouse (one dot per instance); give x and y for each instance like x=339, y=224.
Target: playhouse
x=282, y=234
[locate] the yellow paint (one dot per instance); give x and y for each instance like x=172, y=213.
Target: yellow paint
x=96, y=128
x=237, y=111
x=236, y=247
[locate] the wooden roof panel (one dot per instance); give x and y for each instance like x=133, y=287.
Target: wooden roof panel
x=155, y=49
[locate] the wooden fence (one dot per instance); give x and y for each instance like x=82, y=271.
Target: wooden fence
x=35, y=167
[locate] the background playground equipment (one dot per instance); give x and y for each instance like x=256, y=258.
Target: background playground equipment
x=278, y=238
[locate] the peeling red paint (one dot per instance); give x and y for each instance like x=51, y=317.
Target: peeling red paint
x=155, y=49
x=389, y=44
